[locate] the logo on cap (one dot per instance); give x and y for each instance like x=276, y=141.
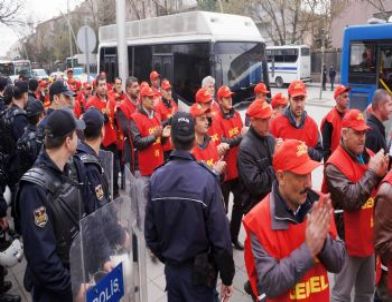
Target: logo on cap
x=183, y=119
x=302, y=149
x=360, y=117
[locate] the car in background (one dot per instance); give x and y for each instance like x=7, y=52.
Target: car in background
x=39, y=74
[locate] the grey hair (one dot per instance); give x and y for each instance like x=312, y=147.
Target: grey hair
x=130, y=81
x=380, y=96
x=207, y=80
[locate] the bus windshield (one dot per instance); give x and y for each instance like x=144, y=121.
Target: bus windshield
x=22, y=68
x=240, y=63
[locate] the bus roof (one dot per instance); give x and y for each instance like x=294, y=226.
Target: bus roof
x=188, y=27
x=287, y=46
x=368, y=32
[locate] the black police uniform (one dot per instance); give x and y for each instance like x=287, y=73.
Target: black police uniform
x=47, y=228
x=186, y=222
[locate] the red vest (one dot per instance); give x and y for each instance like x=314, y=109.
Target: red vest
x=358, y=225
x=152, y=156
x=281, y=127
x=209, y=155
x=166, y=113
x=107, y=107
x=280, y=244
x=335, y=119
x=230, y=128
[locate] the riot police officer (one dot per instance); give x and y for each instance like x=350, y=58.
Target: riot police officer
x=50, y=207
x=186, y=226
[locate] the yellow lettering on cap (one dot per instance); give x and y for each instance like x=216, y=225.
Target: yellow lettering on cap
x=369, y=204
x=302, y=149
x=360, y=117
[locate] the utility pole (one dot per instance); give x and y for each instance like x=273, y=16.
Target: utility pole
x=70, y=37
x=322, y=61
x=122, y=49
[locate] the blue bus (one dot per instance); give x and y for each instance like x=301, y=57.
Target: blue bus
x=366, y=61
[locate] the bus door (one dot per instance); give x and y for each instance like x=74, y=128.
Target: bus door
x=385, y=67
x=110, y=67
x=163, y=63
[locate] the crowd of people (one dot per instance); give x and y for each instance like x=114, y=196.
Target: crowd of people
x=52, y=135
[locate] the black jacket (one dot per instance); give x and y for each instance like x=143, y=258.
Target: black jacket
x=375, y=137
x=255, y=167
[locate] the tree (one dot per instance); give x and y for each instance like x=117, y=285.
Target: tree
x=9, y=10
x=379, y=5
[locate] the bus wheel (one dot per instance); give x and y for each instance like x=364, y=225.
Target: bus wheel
x=279, y=82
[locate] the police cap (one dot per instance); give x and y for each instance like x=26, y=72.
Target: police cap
x=61, y=122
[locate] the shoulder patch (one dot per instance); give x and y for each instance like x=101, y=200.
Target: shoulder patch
x=40, y=217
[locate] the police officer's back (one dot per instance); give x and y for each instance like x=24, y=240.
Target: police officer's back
x=185, y=222
x=47, y=229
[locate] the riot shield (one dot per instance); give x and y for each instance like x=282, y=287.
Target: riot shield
x=107, y=160
x=101, y=255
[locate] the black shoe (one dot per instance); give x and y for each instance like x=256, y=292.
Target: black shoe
x=7, y=285
x=238, y=246
x=10, y=298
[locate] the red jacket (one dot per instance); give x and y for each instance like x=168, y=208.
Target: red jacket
x=128, y=108
x=152, y=156
x=313, y=286
x=166, y=112
x=358, y=225
x=229, y=128
x=107, y=107
x=335, y=119
x=208, y=154
x=308, y=133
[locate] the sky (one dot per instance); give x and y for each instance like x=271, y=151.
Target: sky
x=35, y=10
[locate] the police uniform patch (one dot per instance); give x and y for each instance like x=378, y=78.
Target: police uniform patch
x=40, y=217
x=99, y=192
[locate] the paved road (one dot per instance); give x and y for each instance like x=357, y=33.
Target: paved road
x=316, y=108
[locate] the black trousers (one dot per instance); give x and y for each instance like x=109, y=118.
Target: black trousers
x=234, y=186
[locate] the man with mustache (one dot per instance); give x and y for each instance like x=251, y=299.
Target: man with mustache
x=291, y=238
x=295, y=123
x=352, y=174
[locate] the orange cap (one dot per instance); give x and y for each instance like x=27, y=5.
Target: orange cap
x=87, y=86
x=261, y=88
x=224, y=92
x=259, y=109
x=165, y=85
x=146, y=91
x=292, y=156
x=354, y=119
x=297, y=88
x=198, y=110
x=339, y=90
x=279, y=99
x=203, y=96
x=154, y=75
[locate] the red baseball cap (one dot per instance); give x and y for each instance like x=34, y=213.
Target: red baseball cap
x=261, y=88
x=340, y=89
x=203, y=96
x=87, y=86
x=165, y=85
x=292, y=156
x=297, y=88
x=224, y=92
x=69, y=70
x=154, y=75
x=259, y=109
x=279, y=99
x=147, y=91
x=354, y=119
x=198, y=110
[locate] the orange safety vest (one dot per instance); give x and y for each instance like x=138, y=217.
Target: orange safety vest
x=281, y=127
x=335, y=119
x=358, y=225
x=229, y=128
x=151, y=157
x=279, y=244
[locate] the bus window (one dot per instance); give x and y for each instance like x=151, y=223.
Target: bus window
x=142, y=61
x=290, y=55
x=385, y=75
x=305, y=51
x=6, y=69
x=362, y=63
x=240, y=63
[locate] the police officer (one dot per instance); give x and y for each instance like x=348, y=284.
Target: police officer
x=3, y=84
x=186, y=226
x=88, y=152
x=46, y=191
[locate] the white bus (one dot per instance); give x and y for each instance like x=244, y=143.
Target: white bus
x=287, y=63
x=186, y=47
x=14, y=69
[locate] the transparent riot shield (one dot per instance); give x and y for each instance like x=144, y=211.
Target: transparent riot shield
x=101, y=255
x=107, y=160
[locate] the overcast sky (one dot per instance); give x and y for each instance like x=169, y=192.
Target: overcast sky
x=37, y=10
